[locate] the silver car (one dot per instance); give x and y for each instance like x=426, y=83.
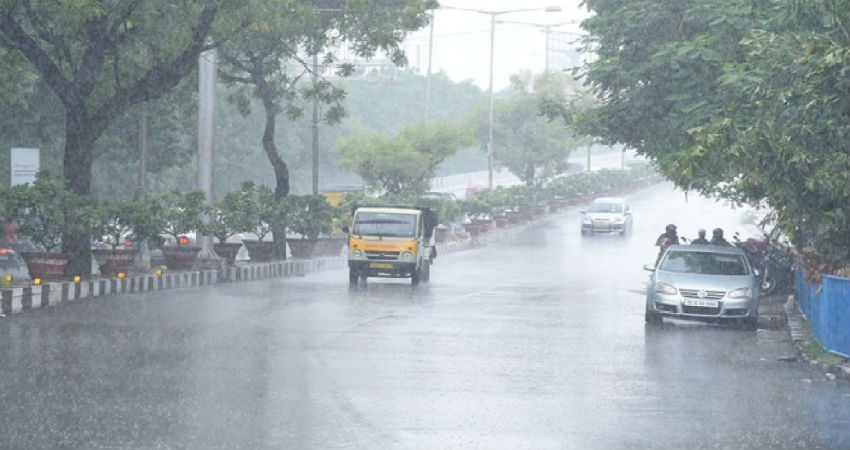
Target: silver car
x=703, y=282
x=607, y=215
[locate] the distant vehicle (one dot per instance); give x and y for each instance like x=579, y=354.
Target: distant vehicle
x=391, y=242
x=607, y=215
x=701, y=282
x=440, y=195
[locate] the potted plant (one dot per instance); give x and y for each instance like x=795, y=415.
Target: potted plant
x=44, y=211
x=120, y=225
x=258, y=210
x=309, y=216
x=181, y=214
x=225, y=222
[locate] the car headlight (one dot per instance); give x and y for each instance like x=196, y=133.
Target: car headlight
x=407, y=256
x=619, y=220
x=740, y=293
x=664, y=288
x=586, y=220
x=357, y=253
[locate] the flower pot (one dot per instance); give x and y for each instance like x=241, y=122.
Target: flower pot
x=441, y=233
x=259, y=251
x=113, y=261
x=514, y=217
x=48, y=266
x=474, y=229
x=329, y=246
x=181, y=257
x=301, y=248
x=501, y=221
x=486, y=224
x=228, y=251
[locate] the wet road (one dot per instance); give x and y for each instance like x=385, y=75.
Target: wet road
x=537, y=343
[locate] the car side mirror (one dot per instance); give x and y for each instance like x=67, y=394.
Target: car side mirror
x=345, y=228
x=649, y=267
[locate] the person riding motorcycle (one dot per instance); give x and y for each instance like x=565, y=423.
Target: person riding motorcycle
x=666, y=239
x=701, y=240
x=718, y=239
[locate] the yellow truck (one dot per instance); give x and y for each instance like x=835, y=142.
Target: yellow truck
x=391, y=242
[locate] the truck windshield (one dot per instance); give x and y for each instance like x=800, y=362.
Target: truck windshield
x=384, y=224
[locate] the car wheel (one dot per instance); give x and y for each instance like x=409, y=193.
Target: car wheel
x=653, y=318
x=750, y=323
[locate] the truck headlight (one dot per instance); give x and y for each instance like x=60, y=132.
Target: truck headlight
x=664, y=288
x=357, y=253
x=407, y=256
x=740, y=293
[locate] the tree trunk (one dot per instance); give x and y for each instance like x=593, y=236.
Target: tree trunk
x=281, y=171
x=79, y=140
x=529, y=174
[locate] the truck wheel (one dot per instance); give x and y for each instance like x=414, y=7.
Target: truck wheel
x=353, y=277
x=414, y=279
x=425, y=269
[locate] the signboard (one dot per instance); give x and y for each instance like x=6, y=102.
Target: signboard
x=25, y=163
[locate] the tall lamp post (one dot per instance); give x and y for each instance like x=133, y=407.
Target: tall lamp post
x=547, y=29
x=493, y=15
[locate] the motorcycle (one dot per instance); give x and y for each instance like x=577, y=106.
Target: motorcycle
x=771, y=260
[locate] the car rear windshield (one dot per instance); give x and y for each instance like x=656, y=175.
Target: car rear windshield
x=384, y=224
x=705, y=263
x=606, y=207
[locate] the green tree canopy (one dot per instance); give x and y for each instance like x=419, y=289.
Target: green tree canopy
x=746, y=100
x=404, y=162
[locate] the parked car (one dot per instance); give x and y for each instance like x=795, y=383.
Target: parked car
x=607, y=215
x=702, y=282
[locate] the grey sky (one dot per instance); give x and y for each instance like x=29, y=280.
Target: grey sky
x=462, y=39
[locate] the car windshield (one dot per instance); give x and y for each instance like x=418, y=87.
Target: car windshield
x=705, y=263
x=384, y=224
x=606, y=207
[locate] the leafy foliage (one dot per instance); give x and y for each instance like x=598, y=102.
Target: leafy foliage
x=402, y=163
x=745, y=100
x=309, y=215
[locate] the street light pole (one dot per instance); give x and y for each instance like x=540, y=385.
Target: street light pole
x=490, y=109
x=428, y=74
x=493, y=15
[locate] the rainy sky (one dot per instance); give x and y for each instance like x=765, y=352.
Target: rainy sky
x=462, y=39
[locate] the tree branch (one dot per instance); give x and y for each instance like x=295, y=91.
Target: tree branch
x=20, y=40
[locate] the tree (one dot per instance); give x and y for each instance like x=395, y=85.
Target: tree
x=404, y=162
x=532, y=146
x=745, y=100
x=259, y=60
x=89, y=54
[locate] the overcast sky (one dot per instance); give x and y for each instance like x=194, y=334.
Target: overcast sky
x=462, y=39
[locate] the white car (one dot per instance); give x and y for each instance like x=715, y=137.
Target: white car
x=607, y=215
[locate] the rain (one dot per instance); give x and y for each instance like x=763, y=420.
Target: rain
x=413, y=224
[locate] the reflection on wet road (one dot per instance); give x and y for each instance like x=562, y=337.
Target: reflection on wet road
x=535, y=343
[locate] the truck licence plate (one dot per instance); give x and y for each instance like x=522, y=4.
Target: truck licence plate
x=702, y=303
x=380, y=265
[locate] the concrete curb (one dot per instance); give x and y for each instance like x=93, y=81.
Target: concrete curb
x=801, y=338
x=19, y=299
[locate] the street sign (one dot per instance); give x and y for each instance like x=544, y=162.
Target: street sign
x=24, y=165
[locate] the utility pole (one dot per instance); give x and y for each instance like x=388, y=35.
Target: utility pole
x=428, y=73
x=315, y=125
x=207, y=69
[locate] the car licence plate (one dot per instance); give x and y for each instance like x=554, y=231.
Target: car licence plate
x=702, y=303
x=380, y=265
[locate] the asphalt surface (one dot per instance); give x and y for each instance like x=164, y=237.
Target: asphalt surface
x=536, y=343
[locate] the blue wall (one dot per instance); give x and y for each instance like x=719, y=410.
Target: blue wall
x=827, y=310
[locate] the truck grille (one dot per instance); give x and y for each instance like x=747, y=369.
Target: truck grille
x=381, y=255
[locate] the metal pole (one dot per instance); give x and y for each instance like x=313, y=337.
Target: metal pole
x=315, y=126
x=546, y=67
x=588, y=156
x=428, y=74
x=208, y=66
x=490, y=121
